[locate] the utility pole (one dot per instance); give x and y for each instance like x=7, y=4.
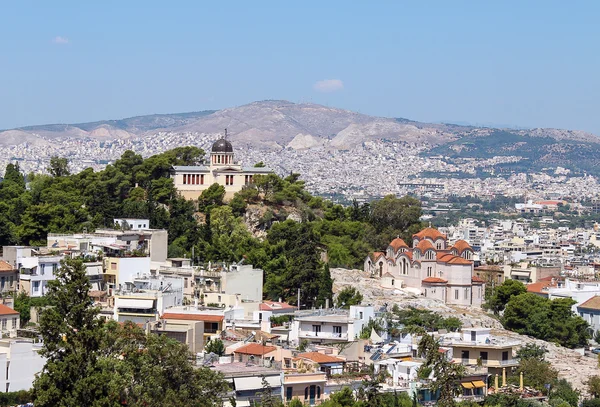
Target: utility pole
x=298, y=299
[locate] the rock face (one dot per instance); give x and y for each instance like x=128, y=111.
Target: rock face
x=306, y=141
x=570, y=364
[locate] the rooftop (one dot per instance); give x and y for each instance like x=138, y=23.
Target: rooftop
x=255, y=349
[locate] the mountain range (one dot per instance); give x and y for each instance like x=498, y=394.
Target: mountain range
x=277, y=124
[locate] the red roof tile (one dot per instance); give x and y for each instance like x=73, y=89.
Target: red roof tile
x=397, y=243
x=193, y=317
x=431, y=233
x=592, y=303
x=461, y=246
x=318, y=357
x=275, y=305
x=539, y=287
x=4, y=310
x=433, y=280
x=4, y=266
x=451, y=259
x=424, y=245
x=476, y=279
x=255, y=349
x=376, y=255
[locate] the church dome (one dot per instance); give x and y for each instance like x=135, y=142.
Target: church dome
x=222, y=146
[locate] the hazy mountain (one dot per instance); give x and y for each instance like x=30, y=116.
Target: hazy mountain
x=276, y=124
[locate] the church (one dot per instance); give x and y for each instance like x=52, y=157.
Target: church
x=440, y=272
x=222, y=169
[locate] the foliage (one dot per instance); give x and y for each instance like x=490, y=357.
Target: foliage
x=373, y=324
x=59, y=167
x=503, y=293
x=446, y=373
x=537, y=373
x=591, y=403
x=549, y=320
x=279, y=320
x=93, y=363
x=563, y=391
x=348, y=296
x=15, y=397
x=215, y=346
x=593, y=386
x=532, y=351
x=24, y=303
x=412, y=317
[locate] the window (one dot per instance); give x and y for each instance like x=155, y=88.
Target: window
x=337, y=331
x=392, y=281
x=473, y=336
x=4, y=324
x=429, y=271
x=184, y=179
x=504, y=356
x=36, y=286
x=464, y=356
x=2, y=283
x=456, y=294
x=113, y=266
x=425, y=292
x=466, y=293
x=42, y=269
x=240, y=358
x=54, y=268
x=14, y=323
x=316, y=329
x=288, y=393
x=484, y=357
x=248, y=179
x=201, y=179
x=360, y=315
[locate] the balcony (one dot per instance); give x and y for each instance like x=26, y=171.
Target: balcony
x=322, y=335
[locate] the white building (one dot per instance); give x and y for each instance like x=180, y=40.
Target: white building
x=132, y=223
x=36, y=272
x=20, y=361
x=324, y=326
x=190, y=181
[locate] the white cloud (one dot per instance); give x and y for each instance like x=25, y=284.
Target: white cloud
x=60, y=40
x=328, y=85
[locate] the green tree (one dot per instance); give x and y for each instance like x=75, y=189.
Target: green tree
x=503, y=293
x=348, y=296
x=215, y=346
x=211, y=198
x=59, y=167
x=563, y=391
x=593, y=386
x=532, y=351
x=537, y=373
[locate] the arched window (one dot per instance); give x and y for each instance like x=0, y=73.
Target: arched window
x=306, y=393
x=380, y=268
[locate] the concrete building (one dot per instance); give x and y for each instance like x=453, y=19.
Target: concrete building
x=35, y=272
x=309, y=388
x=9, y=321
x=590, y=311
x=327, y=326
x=223, y=169
x=20, y=361
x=190, y=333
x=9, y=277
x=132, y=223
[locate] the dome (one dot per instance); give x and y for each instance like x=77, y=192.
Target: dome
x=222, y=146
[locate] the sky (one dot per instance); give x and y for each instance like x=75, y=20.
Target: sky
x=511, y=63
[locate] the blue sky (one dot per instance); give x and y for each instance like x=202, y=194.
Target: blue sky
x=521, y=63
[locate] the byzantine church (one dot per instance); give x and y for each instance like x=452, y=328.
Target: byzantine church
x=439, y=271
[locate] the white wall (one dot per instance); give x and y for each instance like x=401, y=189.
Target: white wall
x=246, y=281
x=25, y=362
x=132, y=267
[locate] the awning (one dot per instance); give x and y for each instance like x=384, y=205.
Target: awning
x=134, y=303
x=478, y=384
x=467, y=385
x=255, y=383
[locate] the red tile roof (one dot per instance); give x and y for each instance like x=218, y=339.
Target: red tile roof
x=539, y=287
x=476, y=279
x=424, y=245
x=275, y=305
x=431, y=233
x=451, y=259
x=255, y=349
x=376, y=255
x=397, y=243
x=433, y=280
x=461, y=246
x=4, y=310
x=4, y=266
x=318, y=357
x=193, y=317
x=592, y=303
x=549, y=202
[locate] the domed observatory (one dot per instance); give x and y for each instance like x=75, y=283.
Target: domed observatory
x=190, y=181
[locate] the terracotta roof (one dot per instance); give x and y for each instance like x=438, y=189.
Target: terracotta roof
x=4, y=310
x=376, y=255
x=97, y=293
x=424, y=245
x=548, y=202
x=255, y=349
x=275, y=305
x=397, y=243
x=592, y=303
x=432, y=280
x=318, y=357
x=538, y=288
x=476, y=279
x=449, y=258
x=193, y=317
x=431, y=233
x=461, y=246
x=4, y=266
